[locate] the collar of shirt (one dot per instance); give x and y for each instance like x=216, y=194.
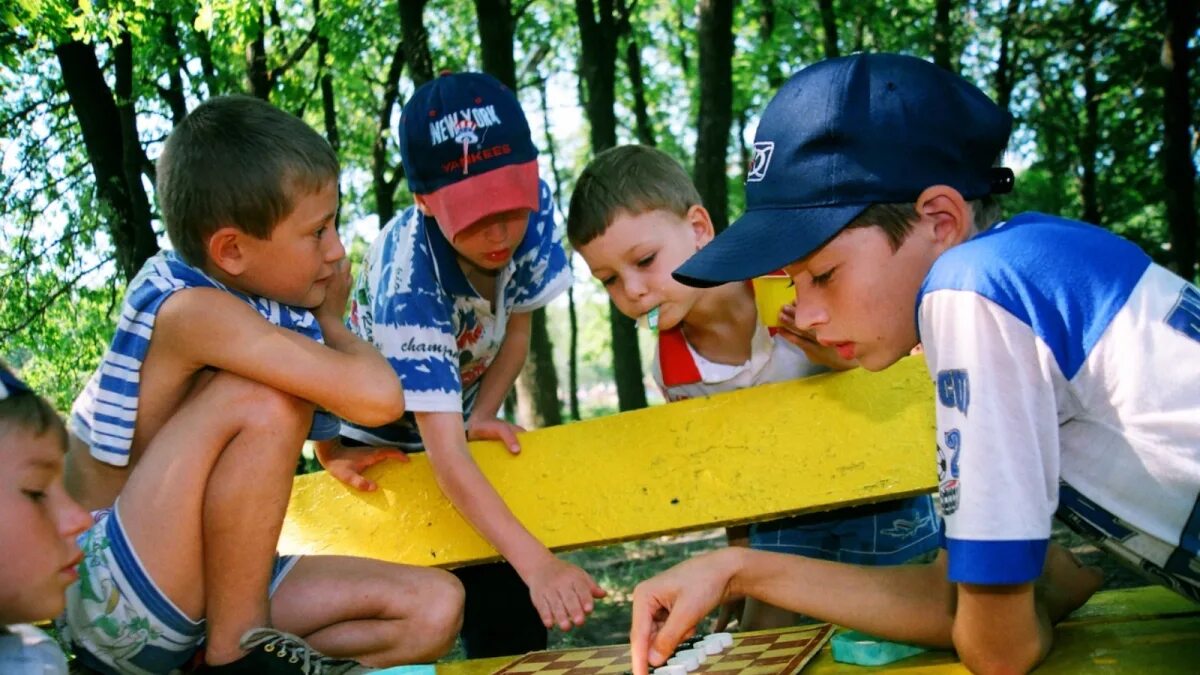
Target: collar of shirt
x=445, y=261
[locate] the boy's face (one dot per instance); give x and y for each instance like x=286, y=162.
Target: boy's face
x=38, y=529
x=858, y=296
x=490, y=242
x=635, y=256
x=295, y=265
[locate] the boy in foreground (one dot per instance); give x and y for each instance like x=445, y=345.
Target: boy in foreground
x=1065, y=363
x=37, y=532
x=186, y=440
x=635, y=217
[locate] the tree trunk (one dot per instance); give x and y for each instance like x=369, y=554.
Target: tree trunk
x=716, y=108
x=1006, y=63
x=537, y=385
x=597, y=69
x=641, y=113
x=414, y=39
x=942, y=32
x=257, y=73
x=113, y=147
x=766, y=40
x=829, y=24
x=173, y=93
x=1180, y=172
x=384, y=186
x=328, y=102
x=496, y=26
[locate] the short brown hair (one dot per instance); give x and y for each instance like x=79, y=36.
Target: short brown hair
x=896, y=219
x=237, y=160
x=630, y=178
x=26, y=410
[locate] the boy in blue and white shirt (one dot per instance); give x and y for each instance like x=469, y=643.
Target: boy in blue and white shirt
x=1066, y=364
x=446, y=295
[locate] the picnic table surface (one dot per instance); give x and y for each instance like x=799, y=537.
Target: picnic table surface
x=1134, y=630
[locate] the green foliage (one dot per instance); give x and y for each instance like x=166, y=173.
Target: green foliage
x=57, y=287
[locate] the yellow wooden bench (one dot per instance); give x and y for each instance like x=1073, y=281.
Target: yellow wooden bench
x=792, y=447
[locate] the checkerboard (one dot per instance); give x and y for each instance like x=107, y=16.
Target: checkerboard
x=772, y=652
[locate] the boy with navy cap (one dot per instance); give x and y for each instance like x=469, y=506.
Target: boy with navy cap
x=1065, y=364
x=446, y=293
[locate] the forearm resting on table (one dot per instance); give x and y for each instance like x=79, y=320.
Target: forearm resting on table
x=906, y=603
x=469, y=490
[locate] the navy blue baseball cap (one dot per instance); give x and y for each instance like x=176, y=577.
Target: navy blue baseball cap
x=11, y=385
x=844, y=134
x=466, y=149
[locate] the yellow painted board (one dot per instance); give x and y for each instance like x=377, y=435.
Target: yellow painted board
x=807, y=445
x=1127, y=632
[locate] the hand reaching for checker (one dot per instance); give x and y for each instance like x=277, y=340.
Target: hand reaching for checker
x=667, y=607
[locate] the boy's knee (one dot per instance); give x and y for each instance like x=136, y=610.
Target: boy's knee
x=441, y=615
x=259, y=406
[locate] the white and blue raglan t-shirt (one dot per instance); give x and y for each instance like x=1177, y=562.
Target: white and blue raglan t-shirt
x=104, y=414
x=1067, y=367
x=413, y=302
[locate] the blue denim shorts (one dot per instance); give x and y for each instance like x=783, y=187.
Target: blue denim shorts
x=874, y=534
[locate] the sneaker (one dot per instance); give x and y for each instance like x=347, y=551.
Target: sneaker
x=274, y=652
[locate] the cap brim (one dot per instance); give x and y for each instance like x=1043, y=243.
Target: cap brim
x=508, y=188
x=762, y=241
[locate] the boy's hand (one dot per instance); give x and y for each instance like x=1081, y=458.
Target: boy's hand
x=815, y=351
x=667, y=607
x=333, y=308
x=562, y=593
x=348, y=464
x=494, y=429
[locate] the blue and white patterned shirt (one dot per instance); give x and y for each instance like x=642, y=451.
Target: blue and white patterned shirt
x=105, y=413
x=412, y=301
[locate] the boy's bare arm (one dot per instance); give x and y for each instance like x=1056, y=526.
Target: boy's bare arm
x=496, y=383
x=561, y=592
x=206, y=327
x=911, y=603
x=1009, y=626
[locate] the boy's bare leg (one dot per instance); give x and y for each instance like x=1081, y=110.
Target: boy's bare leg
x=378, y=613
x=204, y=506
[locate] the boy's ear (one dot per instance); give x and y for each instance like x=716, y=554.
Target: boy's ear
x=423, y=205
x=951, y=218
x=702, y=225
x=227, y=250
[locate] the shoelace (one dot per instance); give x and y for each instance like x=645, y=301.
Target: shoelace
x=290, y=647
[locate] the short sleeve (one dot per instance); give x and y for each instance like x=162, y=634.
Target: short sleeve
x=541, y=272
x=399, y=306
x=997, y=436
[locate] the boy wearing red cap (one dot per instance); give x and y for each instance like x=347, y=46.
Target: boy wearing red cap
x=446, y=293
x=1065, y=363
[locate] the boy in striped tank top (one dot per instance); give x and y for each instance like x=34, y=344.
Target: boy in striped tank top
x=185, y=441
